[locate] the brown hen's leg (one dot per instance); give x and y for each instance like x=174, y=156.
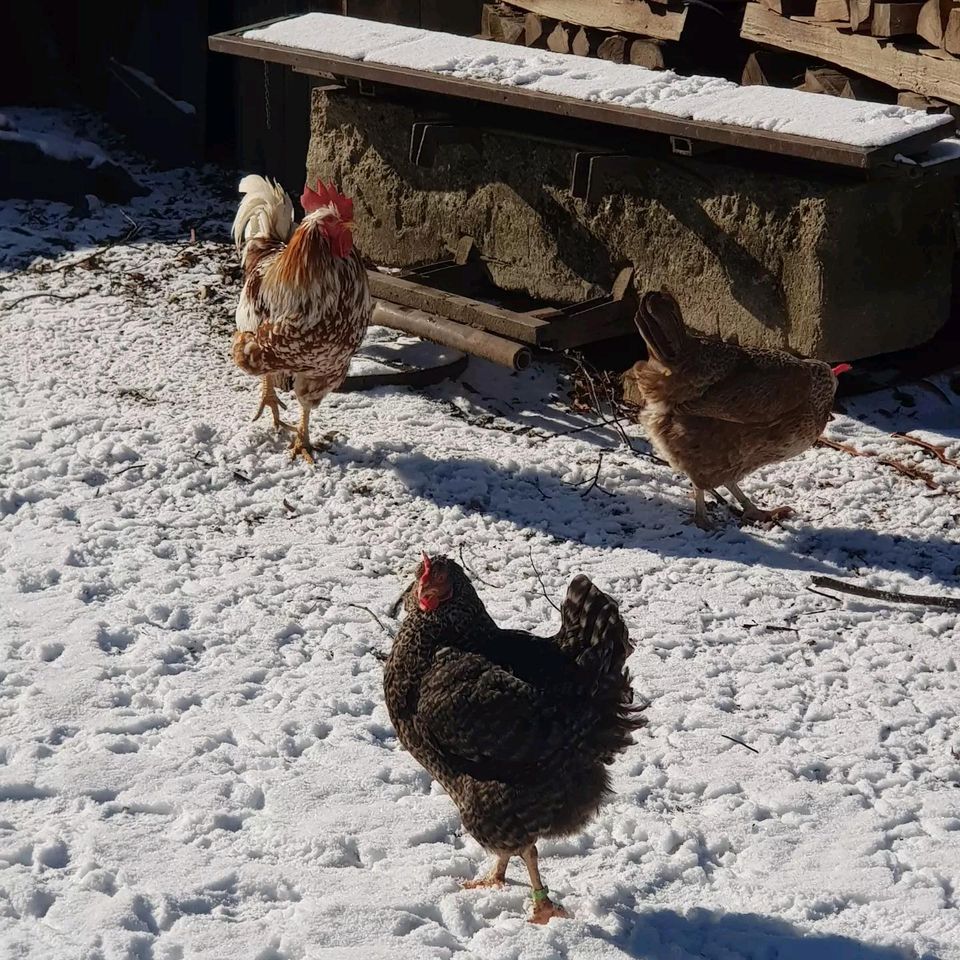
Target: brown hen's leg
x=495, y=878
x=753, y=514
x=270, y=401
x=543, y=907
x=700, y=517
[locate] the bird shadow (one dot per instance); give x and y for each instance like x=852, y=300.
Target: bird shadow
x=628, y=512
x=708, y=935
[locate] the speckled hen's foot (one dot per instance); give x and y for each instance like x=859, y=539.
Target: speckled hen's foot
x=496, y=877
x=545, y=910
x=270, y=401
x=301, y=448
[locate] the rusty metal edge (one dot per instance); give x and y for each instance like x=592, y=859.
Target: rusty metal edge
x=785, y=144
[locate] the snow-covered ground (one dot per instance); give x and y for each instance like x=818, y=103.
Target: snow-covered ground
x=195, y=759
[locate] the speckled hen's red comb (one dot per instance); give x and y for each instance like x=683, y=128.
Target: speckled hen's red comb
x=425, y=560
x=325, y=196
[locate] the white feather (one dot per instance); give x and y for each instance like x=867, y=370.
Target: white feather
x=265, y=211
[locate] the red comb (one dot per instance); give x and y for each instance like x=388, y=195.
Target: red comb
x=425, y=560
x=841, y=368
x=325, y=196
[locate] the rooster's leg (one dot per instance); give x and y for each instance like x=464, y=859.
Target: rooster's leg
x=753, y=514
x=700, y=517
x=543, y=907
x=495, y=878
x=270, y=401
x=301, y=446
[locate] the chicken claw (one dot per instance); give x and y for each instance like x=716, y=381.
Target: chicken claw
x=270, y=401
x=756, y=515
x=544, y=909
x=299, y=448
x=497, y=876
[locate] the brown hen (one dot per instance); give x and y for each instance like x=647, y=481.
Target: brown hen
x=517, y=728
x=717, y=411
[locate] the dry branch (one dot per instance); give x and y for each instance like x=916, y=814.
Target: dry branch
x=947, y=603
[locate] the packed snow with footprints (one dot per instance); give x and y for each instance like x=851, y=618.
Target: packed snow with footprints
x=195, y=756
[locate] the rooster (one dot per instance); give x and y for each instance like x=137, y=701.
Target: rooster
x=717, y=411
x=518, y=729
x=305, y=303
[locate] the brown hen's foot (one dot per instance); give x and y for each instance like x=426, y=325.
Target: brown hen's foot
x=700, y=517
x=544, y=909
x=756, y=515
x=301, y=448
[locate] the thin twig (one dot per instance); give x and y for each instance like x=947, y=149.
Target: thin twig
x=596, y=477
x=948, y=603
x=472, y=572
x=133, y=466
x=742, y=744
x=129, y=235
x=542, y=586
x=358, y=606
x=938, y=452
x=905, y=469
x=53, y=296
x=820, y=593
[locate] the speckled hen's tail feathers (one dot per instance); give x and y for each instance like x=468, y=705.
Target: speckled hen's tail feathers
x=594, y=634
x=661, y=325
x=265, y=211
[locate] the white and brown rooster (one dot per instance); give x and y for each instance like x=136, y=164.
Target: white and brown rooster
x=305, y=303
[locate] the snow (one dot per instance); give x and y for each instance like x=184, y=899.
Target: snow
x=934, y=155
x=33, y=127
x=181, y=105
x=707, y=99
x=195, y=758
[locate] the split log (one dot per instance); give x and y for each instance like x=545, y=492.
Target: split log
x=585, y=42
x=499, y=23
x=895, y=67
x=951, y=34
x=791, y=8
x=932, y=21
x=560, y=38
x=615, y=16
x=894, y=19
x=647, y=53
x=615, y=48
x=836, y=83
x=861, y=13
x=832, y=11
x=536, y=30
x=773, y=68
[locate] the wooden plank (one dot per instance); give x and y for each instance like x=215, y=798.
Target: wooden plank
x=633, y=118
x=894, y=19
x=896, y=67
x=474, y=313
x=627, y=16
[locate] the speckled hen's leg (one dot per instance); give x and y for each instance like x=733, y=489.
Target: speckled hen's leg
x=270, y=401
x=495, y=878
x=752, y=514
x=543, y=907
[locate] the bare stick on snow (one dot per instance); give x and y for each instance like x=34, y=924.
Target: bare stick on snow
x=948, y=603
x=542, y=587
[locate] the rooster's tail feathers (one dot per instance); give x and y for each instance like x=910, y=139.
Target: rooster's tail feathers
x=265, y=211
x=661, y=325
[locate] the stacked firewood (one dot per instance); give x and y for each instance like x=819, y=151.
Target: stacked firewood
x=895, y=51
x=530, y=24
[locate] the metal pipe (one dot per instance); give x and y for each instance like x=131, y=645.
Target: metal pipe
x=449, y=333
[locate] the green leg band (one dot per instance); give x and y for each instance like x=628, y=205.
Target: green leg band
x=540, y=895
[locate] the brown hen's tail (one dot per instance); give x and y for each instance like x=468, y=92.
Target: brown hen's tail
x=661, y=325
x=594, y=634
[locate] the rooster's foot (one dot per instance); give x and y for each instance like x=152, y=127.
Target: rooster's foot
x=545, y=910
x=301, y=448
x=272, y=403
x=756, y=515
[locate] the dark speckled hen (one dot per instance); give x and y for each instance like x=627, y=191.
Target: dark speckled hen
x=518, y=729
x=717, y=411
